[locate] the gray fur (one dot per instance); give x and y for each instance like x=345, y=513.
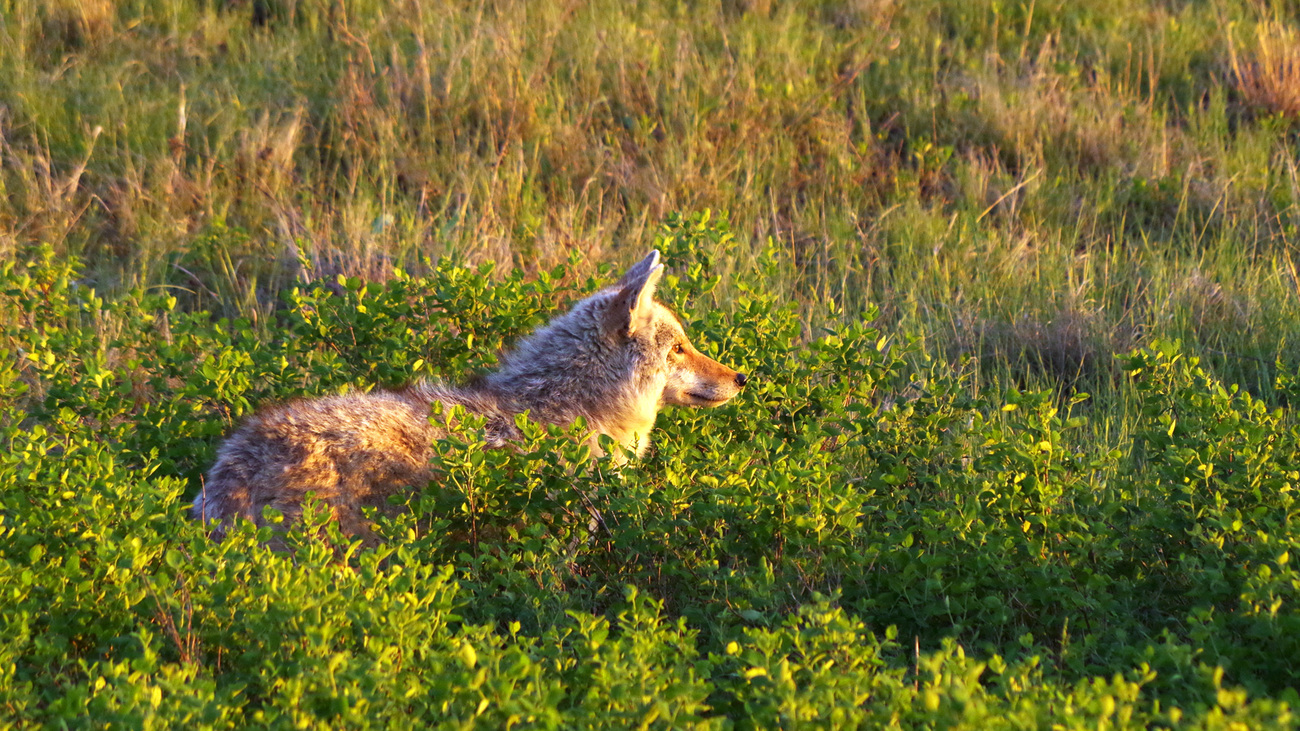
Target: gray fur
x=614, y=359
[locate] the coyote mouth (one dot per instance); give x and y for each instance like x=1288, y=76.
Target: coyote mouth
x=705, y=400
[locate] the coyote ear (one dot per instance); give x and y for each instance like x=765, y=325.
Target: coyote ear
x=638, y=271
x=632, y=307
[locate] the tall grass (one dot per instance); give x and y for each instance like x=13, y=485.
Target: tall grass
x=1035, y=185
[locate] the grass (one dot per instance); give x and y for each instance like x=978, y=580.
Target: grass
x=1038, y=186
x=1040, y=183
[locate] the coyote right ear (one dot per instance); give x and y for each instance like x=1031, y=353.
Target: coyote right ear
x=631, y=308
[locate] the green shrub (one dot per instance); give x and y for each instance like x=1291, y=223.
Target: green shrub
x=860, y=539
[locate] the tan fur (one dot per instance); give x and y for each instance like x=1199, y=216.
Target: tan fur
x=614, y=359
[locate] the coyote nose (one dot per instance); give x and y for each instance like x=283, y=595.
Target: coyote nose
x=741, y=378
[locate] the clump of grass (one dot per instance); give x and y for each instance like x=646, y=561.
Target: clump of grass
x=1033, y=117
x=47, y=199
x=1267, y=73
x=1210, y=308
x=1068, y=347
x=76, y=24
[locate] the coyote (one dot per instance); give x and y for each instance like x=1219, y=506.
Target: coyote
x=614, y=359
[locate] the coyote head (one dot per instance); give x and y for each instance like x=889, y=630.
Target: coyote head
x=615, y=359
x=669, y=366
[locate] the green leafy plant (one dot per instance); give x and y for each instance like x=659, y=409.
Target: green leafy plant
x=863, y=538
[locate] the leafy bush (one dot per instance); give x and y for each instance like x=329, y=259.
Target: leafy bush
x=859, y=539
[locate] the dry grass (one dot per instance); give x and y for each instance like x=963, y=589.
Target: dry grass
x=78, y=23
x=1267, y=74
x=46, y=200
x=946, y=162
x=1034, y=117
x=1210, y=308
x=1068, y=347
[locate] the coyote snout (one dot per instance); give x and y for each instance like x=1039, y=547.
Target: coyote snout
x=694, y=379
x=614, y=359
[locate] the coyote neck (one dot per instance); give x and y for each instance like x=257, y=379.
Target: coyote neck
x=575, y=367
x=550, y=397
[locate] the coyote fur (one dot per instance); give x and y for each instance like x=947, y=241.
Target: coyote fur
x=614, y=359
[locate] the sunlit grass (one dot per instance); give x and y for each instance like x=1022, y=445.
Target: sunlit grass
x=1038, y=187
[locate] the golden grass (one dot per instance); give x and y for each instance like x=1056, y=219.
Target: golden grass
x=1267, y=73
x=944, y=161
x=79, y=23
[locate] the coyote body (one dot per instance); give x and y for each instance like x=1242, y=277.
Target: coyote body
x=614, y=359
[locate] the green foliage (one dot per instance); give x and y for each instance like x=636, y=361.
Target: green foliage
x=861, y=538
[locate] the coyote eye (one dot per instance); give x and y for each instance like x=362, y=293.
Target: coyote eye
x=678, y=349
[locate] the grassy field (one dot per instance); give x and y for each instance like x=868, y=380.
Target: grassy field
x=209, y=205
x=1036, y=184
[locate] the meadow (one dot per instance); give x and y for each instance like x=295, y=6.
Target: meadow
x=1016, y=283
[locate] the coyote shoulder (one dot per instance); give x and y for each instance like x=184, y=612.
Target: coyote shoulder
x=614, y=359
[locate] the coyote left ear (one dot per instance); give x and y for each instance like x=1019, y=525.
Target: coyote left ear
x=632, y=308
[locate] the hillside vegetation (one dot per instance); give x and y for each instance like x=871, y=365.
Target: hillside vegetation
x=1016, y=283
